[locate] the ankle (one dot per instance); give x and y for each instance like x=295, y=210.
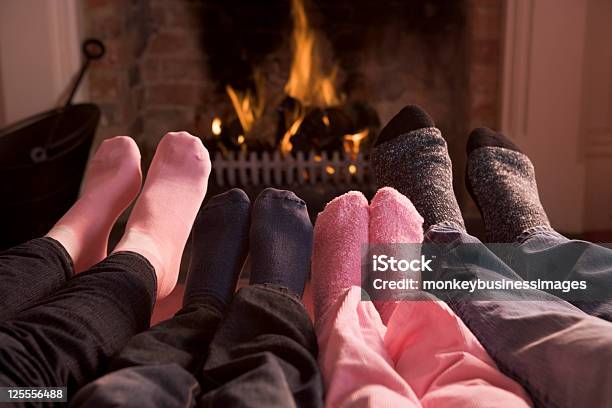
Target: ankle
x=147, y=246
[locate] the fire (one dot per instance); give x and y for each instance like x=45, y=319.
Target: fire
x=353, y=142
x=249, y=105
x=308, y=82
x=216, y=126
x=352, y=168
x=325, y=120
x=286, y=145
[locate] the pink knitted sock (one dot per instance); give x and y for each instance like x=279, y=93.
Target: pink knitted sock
x=340, y=231
x=160, y=223
x=112, y=181
x=393, y=220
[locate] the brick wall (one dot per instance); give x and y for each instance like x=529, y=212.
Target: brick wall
x=483, y=82
x=485, y=25
x=174, y=67
x=116, y=81
x=156, y=76
x=153, y=78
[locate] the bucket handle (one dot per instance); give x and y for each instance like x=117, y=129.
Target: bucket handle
x=93, y=49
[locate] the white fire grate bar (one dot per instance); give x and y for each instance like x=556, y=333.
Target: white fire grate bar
x=242, y=169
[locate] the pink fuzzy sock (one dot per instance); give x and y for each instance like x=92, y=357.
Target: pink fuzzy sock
x=161, y=220
x=393, y=220
x=112, y=181
x=340, y=230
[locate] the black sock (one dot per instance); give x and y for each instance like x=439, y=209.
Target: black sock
x=501, y=180
x=220, y=242
x=411, y=156
x=281, y=240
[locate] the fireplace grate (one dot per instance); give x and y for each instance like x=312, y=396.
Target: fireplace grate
x=303, y=169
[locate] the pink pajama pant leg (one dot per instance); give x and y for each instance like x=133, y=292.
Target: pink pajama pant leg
x=355, y=367
x=357, y=370
x=442, y=360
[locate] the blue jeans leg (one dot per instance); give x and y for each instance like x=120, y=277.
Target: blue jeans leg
x=560, y=354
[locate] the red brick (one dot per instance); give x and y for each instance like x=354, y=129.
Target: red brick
x=485, y=52
x=158, y=16
x=93, y=4
x=172, y=94
x=175, y=43
x=483, y=77
x=117, y=55
x=150, y=69
x=183, y=69
x=105, y=26
x=496, y=6
x=485, y=23
x=105, y=85
x=185, y=15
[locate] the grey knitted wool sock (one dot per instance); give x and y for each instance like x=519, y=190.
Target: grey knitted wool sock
x=411, y=156
x=501, y=179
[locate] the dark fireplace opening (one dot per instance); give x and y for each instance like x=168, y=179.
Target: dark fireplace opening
x=321, y=64
x=291, y=93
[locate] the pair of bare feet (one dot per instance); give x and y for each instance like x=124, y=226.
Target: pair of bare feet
x=163, y=214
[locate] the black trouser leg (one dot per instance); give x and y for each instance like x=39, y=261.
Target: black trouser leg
x=263, y=354
x=157, y=367
x=68, y=338
x=31, y=271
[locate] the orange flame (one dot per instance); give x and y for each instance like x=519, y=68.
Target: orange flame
x=308, y=82
x=353, y=142
x=286, y=146
x=249, y=105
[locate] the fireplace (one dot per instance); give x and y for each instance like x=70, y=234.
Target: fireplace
x=291, y=93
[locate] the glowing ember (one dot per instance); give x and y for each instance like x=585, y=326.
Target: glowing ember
x=216, y=126
x=352, y=168
x=325, y=120
x=240, y=139
x=330, y=170
x=352, y=143
x=317, y=158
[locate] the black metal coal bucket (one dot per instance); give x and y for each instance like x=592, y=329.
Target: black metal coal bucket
x=42, y=161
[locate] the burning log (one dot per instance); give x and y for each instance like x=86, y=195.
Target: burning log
x=322, y=130
x=313, y=117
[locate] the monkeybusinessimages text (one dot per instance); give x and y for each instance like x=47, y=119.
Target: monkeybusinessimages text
x=411, y=270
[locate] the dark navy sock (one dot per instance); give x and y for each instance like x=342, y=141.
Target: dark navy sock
x=220, y=242
x=281, y=240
